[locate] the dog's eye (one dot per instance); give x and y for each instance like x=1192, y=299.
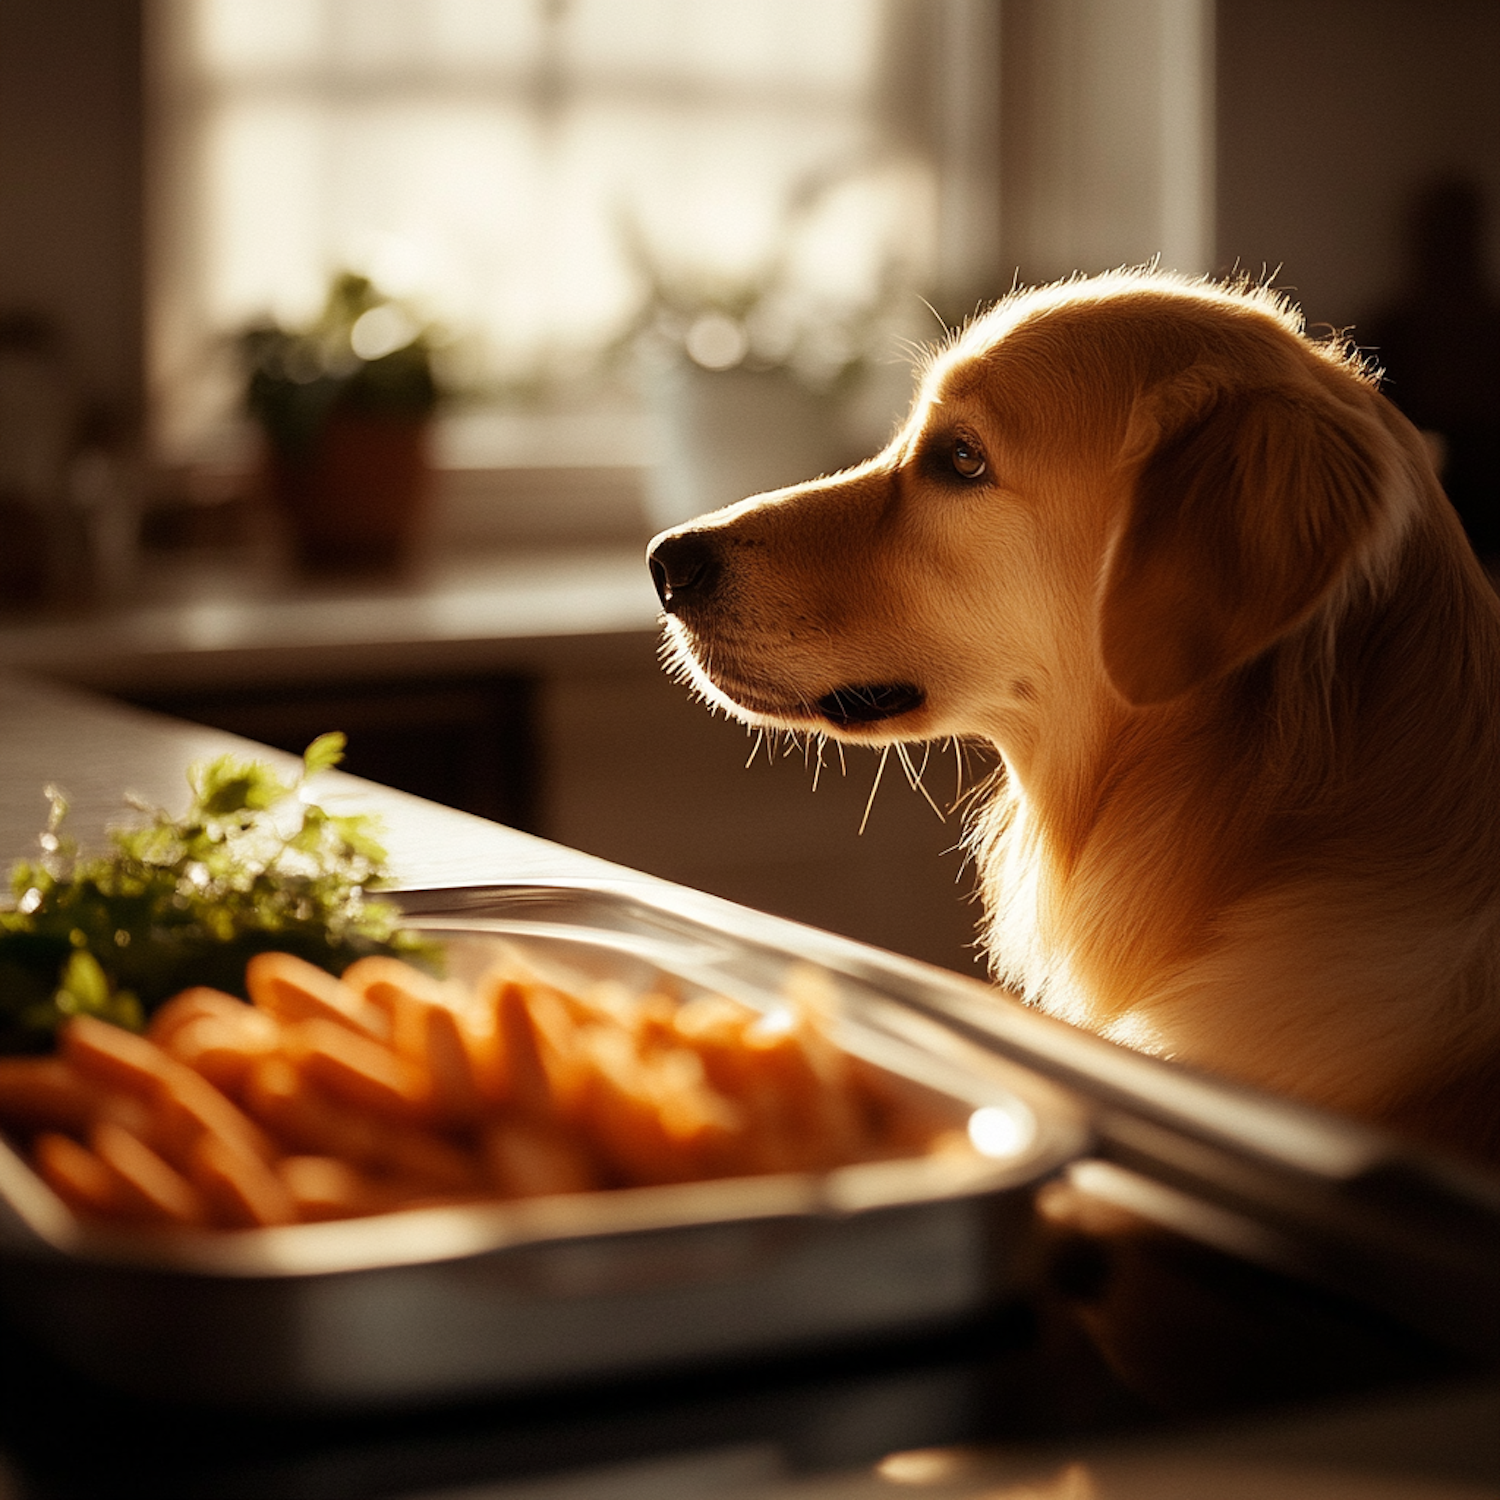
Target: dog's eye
x=967, y=459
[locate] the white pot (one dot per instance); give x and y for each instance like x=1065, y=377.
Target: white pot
x=725, y=435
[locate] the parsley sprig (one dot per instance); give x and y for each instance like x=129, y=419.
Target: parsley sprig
x=254, y=864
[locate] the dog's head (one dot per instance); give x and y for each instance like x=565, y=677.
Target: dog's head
x=1117, y=490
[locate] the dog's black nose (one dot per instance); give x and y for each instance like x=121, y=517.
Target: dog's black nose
x=683, y=563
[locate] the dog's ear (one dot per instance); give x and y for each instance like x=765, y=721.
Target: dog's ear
x=1247, y=508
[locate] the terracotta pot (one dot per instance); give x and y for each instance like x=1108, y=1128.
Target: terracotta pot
x=358, y=500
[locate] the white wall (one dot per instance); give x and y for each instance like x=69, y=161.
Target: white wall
x=1106, y=120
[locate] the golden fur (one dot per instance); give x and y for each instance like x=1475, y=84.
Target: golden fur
x=1207, y=600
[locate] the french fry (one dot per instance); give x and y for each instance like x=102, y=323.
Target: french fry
x=714, y=1027
x=388, y=1089
x=647, y=1017
x=302, y=1118
x=188, y=1107
x=388, y=983
x=654, y=1027
x=565, y=1065
x=135, y=1112
x=622, y=1119
x=292, y=989
x=431, y=1163
x=479, y=1031
x=518, y=1077
x=706, y=1127
x=802, y=1090
x=448, y=1058
x=309, y=1122
x=656, y=1119
x=434, y=1027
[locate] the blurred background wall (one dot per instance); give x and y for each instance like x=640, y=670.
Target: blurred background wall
x=1318, y=122
x=71, y=183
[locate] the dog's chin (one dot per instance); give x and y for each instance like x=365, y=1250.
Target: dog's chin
x=853, y=709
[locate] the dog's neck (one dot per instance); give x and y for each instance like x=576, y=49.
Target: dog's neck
x=1065, y=872
x=1113, y=854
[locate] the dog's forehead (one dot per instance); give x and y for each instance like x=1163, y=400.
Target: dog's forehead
x=1118, y=333
x=999, y=367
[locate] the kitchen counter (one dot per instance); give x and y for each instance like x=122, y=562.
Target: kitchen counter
x=1011, y=1408
x=237, y=620
x=96, y=752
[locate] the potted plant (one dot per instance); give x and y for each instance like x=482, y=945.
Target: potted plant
x=756, y=379
x=345, y=406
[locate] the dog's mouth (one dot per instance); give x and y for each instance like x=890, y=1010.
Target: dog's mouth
x=869, y=702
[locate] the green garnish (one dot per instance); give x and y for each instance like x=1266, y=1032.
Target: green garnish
x=253, y=865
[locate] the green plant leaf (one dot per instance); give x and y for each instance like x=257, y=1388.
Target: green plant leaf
x=251, y=865
x=324, y=753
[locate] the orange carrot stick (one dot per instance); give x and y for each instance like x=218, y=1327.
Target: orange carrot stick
x=152, y=1190
x=45, y=1093
x=191, y=1004
x=358, y=1070
x=241, y=1191
x=529, y=1160
x=77, y=1176
x=114, y=1057
x=294, y=990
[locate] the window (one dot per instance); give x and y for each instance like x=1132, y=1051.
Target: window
x=524, y=170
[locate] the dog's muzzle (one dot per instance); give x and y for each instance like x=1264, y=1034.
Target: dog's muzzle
x=687, y=569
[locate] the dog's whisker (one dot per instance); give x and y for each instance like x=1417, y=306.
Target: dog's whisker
x=879, y=772
x=907, y=769
x=914, y=777
x=942, y=322
x=760, y=736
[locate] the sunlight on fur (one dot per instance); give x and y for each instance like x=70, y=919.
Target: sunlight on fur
x=1195, y=581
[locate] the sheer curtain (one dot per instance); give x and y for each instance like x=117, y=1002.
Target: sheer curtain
x=528, y=172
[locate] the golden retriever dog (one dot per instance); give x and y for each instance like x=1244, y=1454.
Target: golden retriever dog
x=1196, y=581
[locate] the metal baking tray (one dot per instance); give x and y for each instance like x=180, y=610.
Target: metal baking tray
x=434, y=1302
x=1383, y=1223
